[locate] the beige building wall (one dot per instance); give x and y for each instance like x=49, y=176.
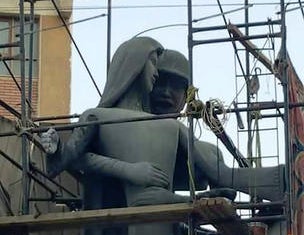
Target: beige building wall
x=41, y=7
x=51, y=92
x=51, y=96
x=55, y=69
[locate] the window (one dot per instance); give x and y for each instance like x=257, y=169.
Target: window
x=9, y=33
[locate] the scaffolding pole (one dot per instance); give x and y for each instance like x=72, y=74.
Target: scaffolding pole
x=285, y=84
x=190, y=121
x=109, y=34
x=24, y=152
x=31, y=56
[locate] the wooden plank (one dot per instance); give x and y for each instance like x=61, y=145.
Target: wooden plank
x=218, y=212
x=145, y=214
x=251, y=48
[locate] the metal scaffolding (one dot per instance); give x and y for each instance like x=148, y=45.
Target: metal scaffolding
x=26, y=131
x=246, y=74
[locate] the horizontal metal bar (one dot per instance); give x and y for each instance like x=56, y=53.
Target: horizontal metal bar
x=258, y=106
x=261, y=74
x=258, y=49
x=218, y=40
x=258, y=205
x=221, y=27
x=15, y=57
x=254, y=107
x=261, y=129
x=266, y=218
x=49, y=118
x=265, y=156
x=7, y=45
x=55, y=199
x=272, y=115
x=65, y=127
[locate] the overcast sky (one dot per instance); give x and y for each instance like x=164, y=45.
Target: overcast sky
x=215, y=68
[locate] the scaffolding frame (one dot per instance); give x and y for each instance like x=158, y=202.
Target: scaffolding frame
x=26, y=114
x=246, y=73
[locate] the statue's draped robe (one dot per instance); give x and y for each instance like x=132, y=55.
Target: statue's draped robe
x=152, y=141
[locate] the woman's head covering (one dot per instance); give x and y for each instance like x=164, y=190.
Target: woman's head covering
x=127, y=63
x=174, y=62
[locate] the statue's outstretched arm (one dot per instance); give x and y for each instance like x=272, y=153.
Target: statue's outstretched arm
x=266, y=182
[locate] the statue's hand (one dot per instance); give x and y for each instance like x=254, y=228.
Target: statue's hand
x=49, y=141
x=146, y=174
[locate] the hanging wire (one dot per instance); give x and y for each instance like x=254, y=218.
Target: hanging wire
x=55, y=27
x=160, y=27
x=233, y=42
x=70, y=23
x=87, y=7
x=301, y=8
x=193, y=21
x=211, y=122
x=75, y=44
x=222, y=13
x=199, y=127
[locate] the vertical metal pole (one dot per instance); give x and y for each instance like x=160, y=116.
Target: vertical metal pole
x=247, y=61
x=31, y=42
x=109, y=35
x=249, y=118
x=288, y=157
x=25, y=165
x=190, y=119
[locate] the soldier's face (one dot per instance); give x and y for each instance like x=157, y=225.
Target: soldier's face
x=168, y=94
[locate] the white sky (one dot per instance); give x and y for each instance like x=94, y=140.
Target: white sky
x=214, y=64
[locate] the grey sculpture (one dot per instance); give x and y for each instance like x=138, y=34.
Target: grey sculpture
x=127, y=95
x=128, y=89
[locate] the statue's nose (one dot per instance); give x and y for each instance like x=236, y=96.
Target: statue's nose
x=166, y=92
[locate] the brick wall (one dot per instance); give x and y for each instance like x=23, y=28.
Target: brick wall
x=10, y=94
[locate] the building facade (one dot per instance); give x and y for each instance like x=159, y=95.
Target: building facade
x=51, y=64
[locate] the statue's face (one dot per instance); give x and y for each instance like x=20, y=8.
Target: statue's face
x=150, y=73
x=168, y=94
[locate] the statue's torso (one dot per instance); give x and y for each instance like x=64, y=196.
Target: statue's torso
x=154, y=141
